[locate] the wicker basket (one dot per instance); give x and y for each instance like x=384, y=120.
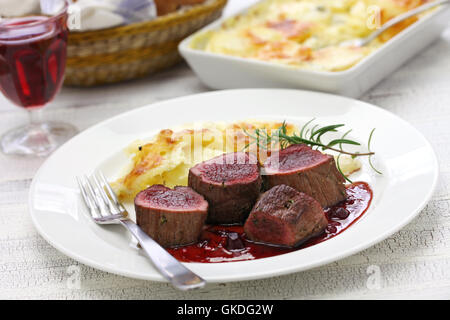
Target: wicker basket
x=133, y=51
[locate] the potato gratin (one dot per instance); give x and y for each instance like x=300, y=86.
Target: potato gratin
x=169, y=156
x=306, y=33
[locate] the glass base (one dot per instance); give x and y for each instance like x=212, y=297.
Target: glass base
x=37, y=139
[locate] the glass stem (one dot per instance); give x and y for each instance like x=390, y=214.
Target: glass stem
x=35, y=115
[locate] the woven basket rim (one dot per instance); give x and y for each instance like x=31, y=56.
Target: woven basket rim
x=144, y=26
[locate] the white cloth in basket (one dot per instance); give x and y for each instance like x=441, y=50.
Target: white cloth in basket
x=101, y=14
x=11, y=8
x=87, y=14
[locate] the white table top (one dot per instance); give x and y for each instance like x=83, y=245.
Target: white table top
x=414, y=263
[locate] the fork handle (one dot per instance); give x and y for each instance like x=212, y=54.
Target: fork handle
x=180, y=276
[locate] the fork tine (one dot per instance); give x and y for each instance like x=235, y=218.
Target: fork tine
x=112, y=206
x=108, y=187
x=88, y=198
x=111, y=193
x=96, y=195
x=84, y=194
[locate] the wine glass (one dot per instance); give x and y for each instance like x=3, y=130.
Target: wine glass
x=32, y=64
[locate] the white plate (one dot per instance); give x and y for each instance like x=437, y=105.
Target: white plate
x=407, y=160
x=238, y=72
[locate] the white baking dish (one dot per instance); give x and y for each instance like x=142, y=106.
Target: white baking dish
x=220, y=71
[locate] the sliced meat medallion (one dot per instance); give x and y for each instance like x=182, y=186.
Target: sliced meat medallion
x=306, y=170
x=172, y=217
x=230, y=183
x=283, y=216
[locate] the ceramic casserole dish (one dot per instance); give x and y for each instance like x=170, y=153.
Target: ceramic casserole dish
x=220, y=71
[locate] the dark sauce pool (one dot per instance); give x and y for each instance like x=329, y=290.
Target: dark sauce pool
x=229, y=243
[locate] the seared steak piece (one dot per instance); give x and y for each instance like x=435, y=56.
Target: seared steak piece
x=284, y=216
x=230, y=183
x=172, y=217
x=308, y=171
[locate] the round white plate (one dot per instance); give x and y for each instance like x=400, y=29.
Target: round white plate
x=408, y=162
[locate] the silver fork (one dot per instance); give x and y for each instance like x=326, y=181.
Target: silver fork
x=105, y=209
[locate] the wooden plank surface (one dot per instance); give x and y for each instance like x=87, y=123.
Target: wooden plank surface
x=413, y=263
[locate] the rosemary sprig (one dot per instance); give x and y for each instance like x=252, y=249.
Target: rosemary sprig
x=338, y=164
x=370, y=157
x=312, y=137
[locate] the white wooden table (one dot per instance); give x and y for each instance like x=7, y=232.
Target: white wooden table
x=414, y=263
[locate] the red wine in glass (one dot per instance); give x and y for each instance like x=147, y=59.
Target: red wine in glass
x=32, y=65
x=32, y=60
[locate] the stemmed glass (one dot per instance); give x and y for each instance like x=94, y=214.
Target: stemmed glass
x=32, y=64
